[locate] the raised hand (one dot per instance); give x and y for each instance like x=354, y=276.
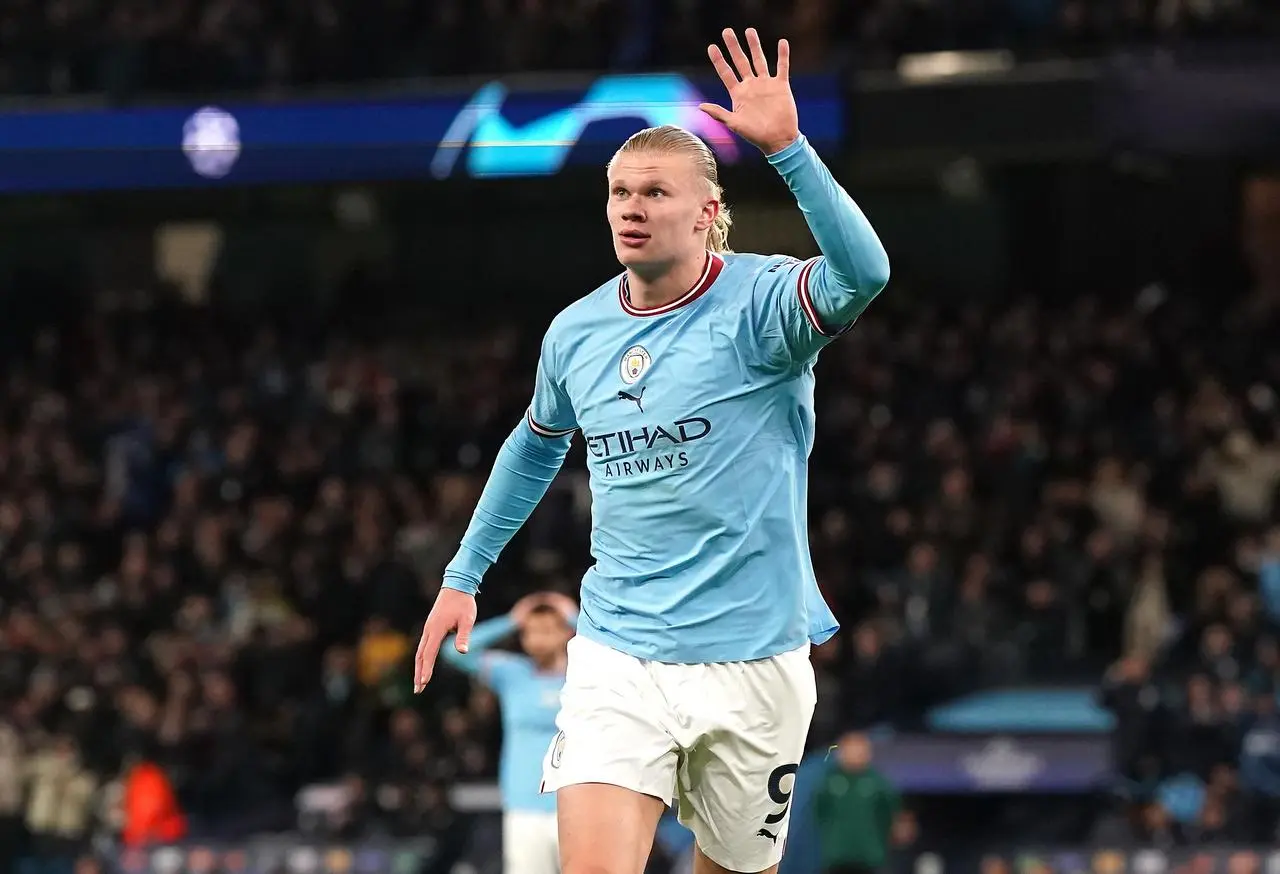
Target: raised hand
x=564, y=605
x=453, y=611
x=764, y=109
x=520, y=612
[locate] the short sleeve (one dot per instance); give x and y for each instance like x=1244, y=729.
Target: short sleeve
x=551, y=413
x=787, y=324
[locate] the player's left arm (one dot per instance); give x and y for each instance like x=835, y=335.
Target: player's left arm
x=833, y=289
x=830, y=291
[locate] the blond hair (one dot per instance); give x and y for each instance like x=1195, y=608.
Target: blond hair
x=671, y=139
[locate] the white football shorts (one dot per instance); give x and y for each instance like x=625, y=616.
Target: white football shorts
x=530, y=843
x=723, y=741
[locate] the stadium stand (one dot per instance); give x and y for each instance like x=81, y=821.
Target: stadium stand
x=128, y=47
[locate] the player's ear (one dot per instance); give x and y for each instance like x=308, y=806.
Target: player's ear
x=707, y=218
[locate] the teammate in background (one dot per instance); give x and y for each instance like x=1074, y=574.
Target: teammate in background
x=691, y=378
x=528, y=689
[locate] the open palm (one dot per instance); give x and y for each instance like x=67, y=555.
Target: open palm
x=764, y=109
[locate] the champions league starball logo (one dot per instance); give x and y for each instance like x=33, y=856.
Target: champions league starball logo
x=211, y=142
x=495, y=147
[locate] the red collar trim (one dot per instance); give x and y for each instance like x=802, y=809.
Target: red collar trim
x=710, y=271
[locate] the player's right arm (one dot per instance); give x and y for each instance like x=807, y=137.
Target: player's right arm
x=526, y=464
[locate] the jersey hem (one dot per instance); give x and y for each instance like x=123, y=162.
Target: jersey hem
x=704, y=655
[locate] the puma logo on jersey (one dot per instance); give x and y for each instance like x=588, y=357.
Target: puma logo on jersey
x=635, y=399
x=765, y=833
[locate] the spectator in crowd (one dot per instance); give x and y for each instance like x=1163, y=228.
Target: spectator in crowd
x=59, y=808
x=1129, y=693
x=1260, y=767
x=1149, y=621
x=12, y=795
x=150, y=809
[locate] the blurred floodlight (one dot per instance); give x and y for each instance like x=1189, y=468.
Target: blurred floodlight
x=211, y=142
x=936, y=66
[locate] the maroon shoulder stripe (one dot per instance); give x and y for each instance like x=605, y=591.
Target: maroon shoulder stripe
x=806, y=303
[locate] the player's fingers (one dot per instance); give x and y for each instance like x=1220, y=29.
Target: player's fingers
x=425, y=661
x=758, y=59
x=737, y=54
x=462, y=640
x=417, y=662
x=784, y=59
x=727, y=76
x=719, y=113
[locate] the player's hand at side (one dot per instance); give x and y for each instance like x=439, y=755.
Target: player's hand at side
x=453, y=611
x=764, y=109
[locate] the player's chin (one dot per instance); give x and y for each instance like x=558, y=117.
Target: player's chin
x=631, y=255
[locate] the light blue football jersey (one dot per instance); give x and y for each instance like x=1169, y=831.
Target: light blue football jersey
x=698, y=419
x=529, y=700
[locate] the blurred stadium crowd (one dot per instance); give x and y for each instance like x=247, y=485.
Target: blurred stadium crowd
x=131, y=46
x=217, y=543
x=218, y=539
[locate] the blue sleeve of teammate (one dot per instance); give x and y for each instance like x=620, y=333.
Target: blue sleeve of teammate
x=823, y=296
x=527, y=463
x=476, y=661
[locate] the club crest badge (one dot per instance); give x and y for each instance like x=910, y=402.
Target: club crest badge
x=635, y=361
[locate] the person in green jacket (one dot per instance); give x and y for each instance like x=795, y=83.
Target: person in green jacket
x=857, y=811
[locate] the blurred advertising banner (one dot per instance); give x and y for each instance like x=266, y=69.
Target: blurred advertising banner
x=1092, y=860
x=962, y=764
x=280, y=855
x=495, y=130
x=285, y=856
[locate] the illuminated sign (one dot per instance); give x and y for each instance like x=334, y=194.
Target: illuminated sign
x=495, y=147
x=496, y=131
